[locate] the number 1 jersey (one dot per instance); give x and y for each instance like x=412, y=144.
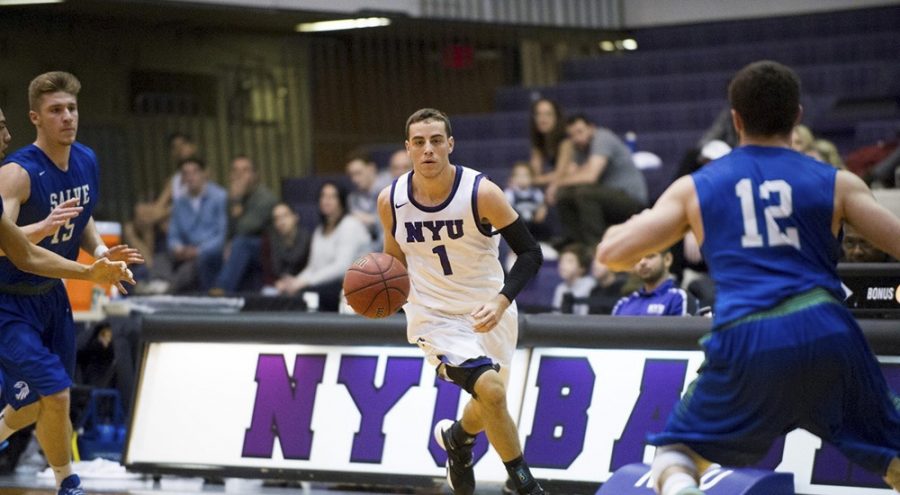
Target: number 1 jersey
x=767, y=215
x=50, y=186
x=452, y=258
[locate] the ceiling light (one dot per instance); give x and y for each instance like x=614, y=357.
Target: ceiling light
x=341, y=24
x=629, y=44
x=607, y=46
x=4, y=3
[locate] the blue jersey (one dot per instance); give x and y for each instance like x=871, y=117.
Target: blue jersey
x=767, y=215
x=50, y=186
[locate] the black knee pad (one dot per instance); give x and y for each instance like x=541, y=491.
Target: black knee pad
x=465, y=377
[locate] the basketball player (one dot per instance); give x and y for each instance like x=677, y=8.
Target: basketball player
x=37, y=334
x=784, y=352
x=439, y=220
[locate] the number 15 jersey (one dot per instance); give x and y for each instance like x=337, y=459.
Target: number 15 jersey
x=452, y=259
x=767, y=216
x=50, y=186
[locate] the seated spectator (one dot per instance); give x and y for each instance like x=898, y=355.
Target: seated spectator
x=826, y=151
x=608, y=287
x=339, y=239
x=399, y=163
x=289, y=243
x=571, y=294
x=363, y=202
x=659, y=294
x=249, y=215
x=197, y=230
x=147, y=230
x=802, y=139
x=551, y=150
x=527, y=200
x=858, y=250
x=605, y=188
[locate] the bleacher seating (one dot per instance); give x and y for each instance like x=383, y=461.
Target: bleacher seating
x=671, y=89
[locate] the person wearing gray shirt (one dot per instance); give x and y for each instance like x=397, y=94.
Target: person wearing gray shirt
x=602, y=187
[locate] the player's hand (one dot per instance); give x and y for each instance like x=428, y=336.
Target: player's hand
x=63, y=212
x=104, y=271
x=488, y=314
x=122, y=252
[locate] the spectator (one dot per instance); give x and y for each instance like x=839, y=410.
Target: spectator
x=828, y=153
x=363, y=202
x=399, y=163
x=147, y=230
x=527, y=200
x=802, y=139
x=608, y=287
x=337, y=241
x=571, y=294
x=551, y=150
x=249, y=215
x=197, y=229
x=604, y=189
x=858, y=250
x=289, y=243
x=659, y=295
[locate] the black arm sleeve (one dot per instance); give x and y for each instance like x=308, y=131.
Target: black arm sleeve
x=528, y=258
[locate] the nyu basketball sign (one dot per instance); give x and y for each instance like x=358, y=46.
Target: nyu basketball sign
x=583, y=414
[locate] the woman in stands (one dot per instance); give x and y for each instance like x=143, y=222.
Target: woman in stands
x=337, y=241
x=551, y=150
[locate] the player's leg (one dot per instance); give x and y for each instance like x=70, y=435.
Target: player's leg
x=14, y=420
x=893, y=474
x=676, y=470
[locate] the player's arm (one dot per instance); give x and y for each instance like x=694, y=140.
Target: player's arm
x=856, y=205
x=496, y=210
x=386, y=216
x=650, y=231
x=35, y=259
x=93, y=243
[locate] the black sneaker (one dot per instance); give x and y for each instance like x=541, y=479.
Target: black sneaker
x=460, y=475
x=509, y=488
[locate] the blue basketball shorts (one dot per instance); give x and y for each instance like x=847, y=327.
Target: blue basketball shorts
x=804, y=364
x=37, y=346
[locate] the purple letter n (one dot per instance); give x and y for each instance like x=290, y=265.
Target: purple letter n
x=284, y=406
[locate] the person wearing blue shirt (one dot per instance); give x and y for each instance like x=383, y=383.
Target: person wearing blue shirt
x=784, y=352
x=197, y=229
x=50, y=188
x=659, y=295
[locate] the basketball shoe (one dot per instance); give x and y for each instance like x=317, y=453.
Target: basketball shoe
x=460, y=475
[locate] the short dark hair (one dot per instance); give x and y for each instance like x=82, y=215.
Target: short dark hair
x=193, y=159
x=361, y=155
x=424, y=114
x=766, y=95
x=576, y=117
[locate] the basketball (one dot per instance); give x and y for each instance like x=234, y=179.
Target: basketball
x=376, y=285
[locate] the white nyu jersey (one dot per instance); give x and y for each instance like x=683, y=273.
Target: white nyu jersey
x=452, y=258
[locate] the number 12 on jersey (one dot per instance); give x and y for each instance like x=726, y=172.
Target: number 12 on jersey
x=783, y=209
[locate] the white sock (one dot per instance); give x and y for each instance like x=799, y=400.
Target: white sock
x=5, y=430
x=61, y=472
x=676, y=482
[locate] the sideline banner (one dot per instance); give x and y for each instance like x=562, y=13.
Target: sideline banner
x=586, y=413
x=297, y=407
x=583, y=413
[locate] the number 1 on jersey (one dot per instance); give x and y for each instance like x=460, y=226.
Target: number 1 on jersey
x=441, y=251
x=785, y=207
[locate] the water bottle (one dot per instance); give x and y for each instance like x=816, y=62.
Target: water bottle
x=631, y=140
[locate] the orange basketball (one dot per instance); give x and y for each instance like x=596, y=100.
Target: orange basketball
x=376, y=285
